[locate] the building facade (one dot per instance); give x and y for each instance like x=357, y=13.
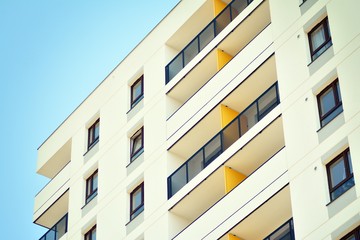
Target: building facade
x=230, y=120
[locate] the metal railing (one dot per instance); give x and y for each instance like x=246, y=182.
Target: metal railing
x=224, y=139
x=229, y=13
x=58, y=230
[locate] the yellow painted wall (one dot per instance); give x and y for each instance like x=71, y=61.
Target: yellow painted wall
x=232, y=237
x=227, y=115
x=232, y=178
x=218, y=6
x=222, y=58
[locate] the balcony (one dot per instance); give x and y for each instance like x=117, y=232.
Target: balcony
x=263, y=163
x=273, y=220
x=230, y=12
x=58, y=230
x=52, y=191
x=232, y=131
x=242, y=41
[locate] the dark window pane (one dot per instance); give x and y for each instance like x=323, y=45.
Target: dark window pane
x=212, y=149
x=137, y=90
x=223, y=20
x=332, y=115
x=267, y=102
x=195, y=165
x=337, y=171
x=206, y=35
x=318, y=37
x=343, y=188
x=178, y=180
x=191, y=51
x=231, y=133
x=175, y=66
x=327, y=101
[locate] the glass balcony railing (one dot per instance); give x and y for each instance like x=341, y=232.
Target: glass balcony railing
x=284, y=232
x=224, y=139
x=233, y=9
x=57, y=231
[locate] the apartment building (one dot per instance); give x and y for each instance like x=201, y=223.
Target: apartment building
x=230, y=120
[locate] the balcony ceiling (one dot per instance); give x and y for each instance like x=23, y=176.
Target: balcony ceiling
x=192, y=27
x=55, y=212
x=271, y=215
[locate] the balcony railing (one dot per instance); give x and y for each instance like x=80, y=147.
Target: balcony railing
x=230, y=12
x=57, y=231
x=224, y=139
x=285, y=231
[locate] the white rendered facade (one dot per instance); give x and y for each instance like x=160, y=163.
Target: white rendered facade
x=225, y=140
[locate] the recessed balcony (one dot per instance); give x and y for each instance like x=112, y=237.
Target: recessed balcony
x=271, y=221
x=234, y=126
x=229, y=45
x=52, y=191
x=58, y=230
x=248, y=172
x=48, y=214
x=224, y=14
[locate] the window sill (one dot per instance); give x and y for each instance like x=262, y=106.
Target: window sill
x=339, y=197
x=136, y=155
x=134, y=219
x=329, y=123
x=136, y=103
x=92, y=146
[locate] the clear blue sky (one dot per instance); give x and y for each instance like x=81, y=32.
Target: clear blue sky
x=53, y=53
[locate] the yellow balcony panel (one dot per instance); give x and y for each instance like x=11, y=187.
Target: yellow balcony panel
x=267, y=218
x=55, y=188
x=222, y=59
x=49, y=167
x=53, y=213
x=227, y=115
x=218, y=6
x=232, y=178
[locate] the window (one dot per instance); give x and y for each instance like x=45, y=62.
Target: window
x=340, y=174
x=91, y=186
x=137, y=201
x=319, y=39
x=329, y=103
x=136, y=144
x=353, y=235
x=91, y=234
x=137, y=91
x=93, y=134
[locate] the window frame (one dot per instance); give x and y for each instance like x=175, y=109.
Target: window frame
x=344, y=154
x=338, y=101
x=88, y=234
x=355, y=232
x=133, y=212
x=138, y=134
x=92, y=139
x=325, y=24
x=89, y=186
x=133, y=100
